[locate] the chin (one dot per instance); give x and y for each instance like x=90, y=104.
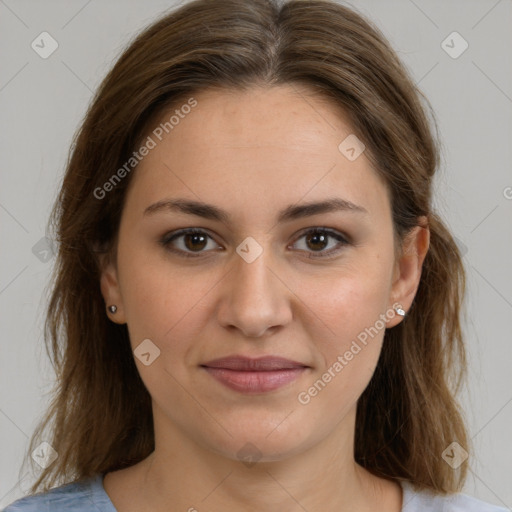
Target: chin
x=260, y=444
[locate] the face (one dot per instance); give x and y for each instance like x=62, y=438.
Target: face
x=267, y=277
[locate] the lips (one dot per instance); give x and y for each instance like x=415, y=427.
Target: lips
x=253, y=376
x=260, y=364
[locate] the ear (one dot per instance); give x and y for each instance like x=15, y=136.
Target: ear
x=407, y=273
x=109, y=284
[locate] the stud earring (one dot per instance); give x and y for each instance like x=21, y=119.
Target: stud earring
x=399, y=310
x=112, y=308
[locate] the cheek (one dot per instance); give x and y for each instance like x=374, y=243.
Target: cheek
x=162, y=301
x=163, y=304
x=347, y=301
x=349, y=310
x=347, y=351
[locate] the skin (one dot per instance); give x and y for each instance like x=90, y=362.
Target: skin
x=252, y=154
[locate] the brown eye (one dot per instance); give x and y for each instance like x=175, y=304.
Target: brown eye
x=316, y=240
x=187, y=242
x=194, y=241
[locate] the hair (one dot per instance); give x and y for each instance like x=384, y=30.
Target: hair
x=100, y=411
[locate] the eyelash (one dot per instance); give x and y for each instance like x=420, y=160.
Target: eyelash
x=170, y=237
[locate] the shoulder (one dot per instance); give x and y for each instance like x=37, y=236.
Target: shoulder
x=424, y=501
x=79, y=496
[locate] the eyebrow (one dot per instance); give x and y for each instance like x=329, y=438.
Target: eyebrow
x=291, y=212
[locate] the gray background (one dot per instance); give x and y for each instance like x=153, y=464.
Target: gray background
x=43, y=100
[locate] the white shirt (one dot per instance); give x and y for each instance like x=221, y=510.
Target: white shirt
x=425, y=501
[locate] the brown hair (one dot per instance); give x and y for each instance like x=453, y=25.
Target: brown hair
x=100, y=413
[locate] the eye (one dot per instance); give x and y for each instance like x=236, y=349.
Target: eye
x=317, y=239
x=193, y=240
x=186, y=242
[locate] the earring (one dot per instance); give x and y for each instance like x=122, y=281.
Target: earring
x=112, y=308
x=399, y=310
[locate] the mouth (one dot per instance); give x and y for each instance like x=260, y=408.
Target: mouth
x=254, y=376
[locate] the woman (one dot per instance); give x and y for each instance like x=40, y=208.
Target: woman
x=299, y=357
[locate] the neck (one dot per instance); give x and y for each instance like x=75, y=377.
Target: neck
x=182, y=475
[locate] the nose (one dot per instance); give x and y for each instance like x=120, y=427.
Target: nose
x=255, y=297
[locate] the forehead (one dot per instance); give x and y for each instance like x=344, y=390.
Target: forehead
x=263, y=145
x=284, y=116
